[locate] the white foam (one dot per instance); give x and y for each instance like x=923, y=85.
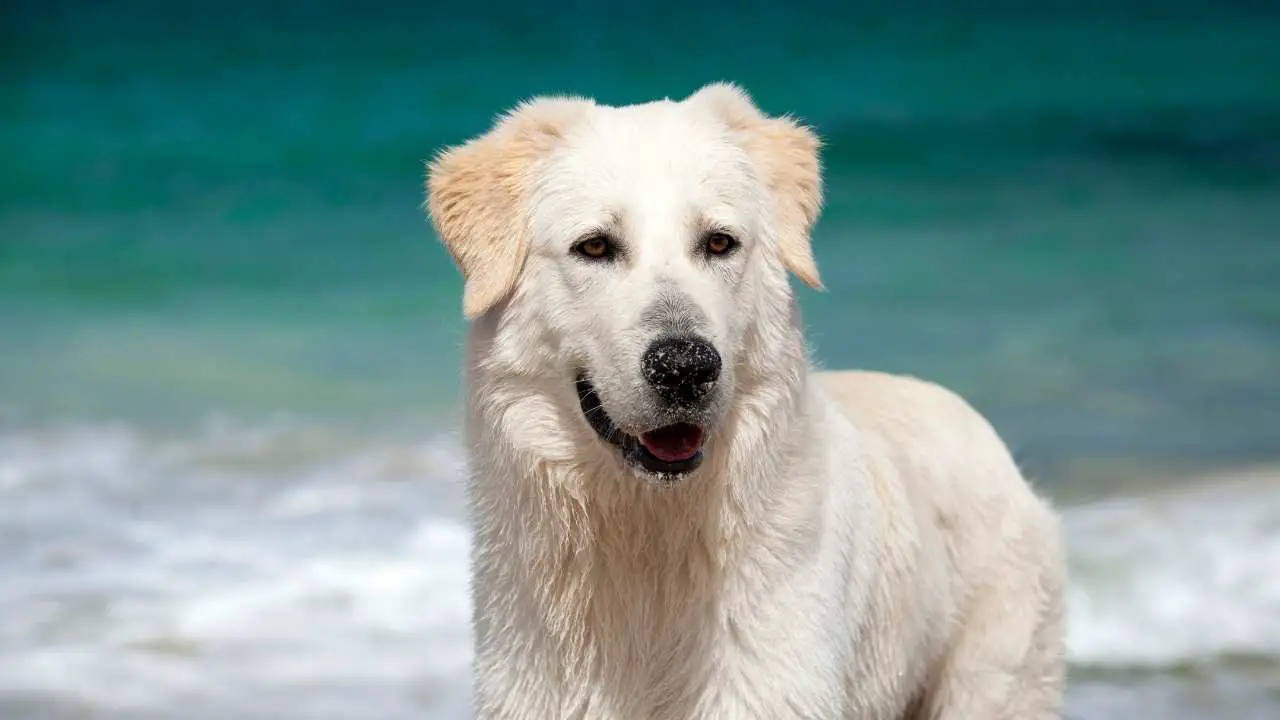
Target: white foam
x=195, y=576
x=1176, y=578
x=293, y=571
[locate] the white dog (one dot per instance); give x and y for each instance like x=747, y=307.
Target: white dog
x=675, y=516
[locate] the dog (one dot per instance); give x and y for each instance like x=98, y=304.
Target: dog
x=675, y=515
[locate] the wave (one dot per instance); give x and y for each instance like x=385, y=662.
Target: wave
x=1179, y=577
x=287, y=571
x=302, y=571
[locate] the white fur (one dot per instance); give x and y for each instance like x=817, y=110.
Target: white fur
x=856, y=545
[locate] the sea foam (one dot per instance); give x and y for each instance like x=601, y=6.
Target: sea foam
x=295, y=571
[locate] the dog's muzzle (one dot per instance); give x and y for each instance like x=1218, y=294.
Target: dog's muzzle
x=682, y=372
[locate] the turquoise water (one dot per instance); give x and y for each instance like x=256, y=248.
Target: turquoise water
x=1069, y=215
x=222, y=311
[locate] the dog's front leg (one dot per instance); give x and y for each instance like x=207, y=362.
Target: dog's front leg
x=1007, y=662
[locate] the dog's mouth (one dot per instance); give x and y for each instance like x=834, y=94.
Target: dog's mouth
x=673, y=449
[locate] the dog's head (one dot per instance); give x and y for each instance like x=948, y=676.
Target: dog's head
x=641, y=249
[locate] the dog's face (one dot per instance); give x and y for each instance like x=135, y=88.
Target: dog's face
x=644, y=244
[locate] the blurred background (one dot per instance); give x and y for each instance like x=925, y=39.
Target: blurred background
x=230, y=345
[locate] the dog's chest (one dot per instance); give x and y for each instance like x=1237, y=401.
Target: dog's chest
x=659, y=652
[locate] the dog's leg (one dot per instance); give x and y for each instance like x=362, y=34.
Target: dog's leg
x=1008, y=661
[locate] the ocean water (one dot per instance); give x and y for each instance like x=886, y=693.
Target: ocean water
x=230, y=346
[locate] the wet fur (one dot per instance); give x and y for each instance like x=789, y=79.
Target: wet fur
x=856, y=545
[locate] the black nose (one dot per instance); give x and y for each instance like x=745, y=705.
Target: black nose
x=681, y=369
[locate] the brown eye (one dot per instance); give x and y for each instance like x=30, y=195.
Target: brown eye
x=596, y=247
x=720, y=243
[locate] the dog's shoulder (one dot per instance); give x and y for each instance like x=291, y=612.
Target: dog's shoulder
x=947, y=456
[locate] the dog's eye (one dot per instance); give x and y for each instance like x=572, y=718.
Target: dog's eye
x=596, y=247
x=719, y=243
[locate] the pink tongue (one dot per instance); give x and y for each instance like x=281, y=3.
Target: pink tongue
x=673, y=443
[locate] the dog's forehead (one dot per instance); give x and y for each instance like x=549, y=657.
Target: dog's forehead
x=661, y=150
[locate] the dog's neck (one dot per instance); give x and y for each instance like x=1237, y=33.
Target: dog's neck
x=569, y=482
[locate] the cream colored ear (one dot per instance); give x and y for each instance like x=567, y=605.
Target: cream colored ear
x=787, y=155
x=477, y=196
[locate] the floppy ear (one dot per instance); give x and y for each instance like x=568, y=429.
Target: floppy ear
x=477, y=197
x=787, y=154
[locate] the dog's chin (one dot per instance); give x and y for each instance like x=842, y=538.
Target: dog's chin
x=666, y=453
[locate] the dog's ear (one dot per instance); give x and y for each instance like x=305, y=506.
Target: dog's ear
x=477, y=196
x=787, y=154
